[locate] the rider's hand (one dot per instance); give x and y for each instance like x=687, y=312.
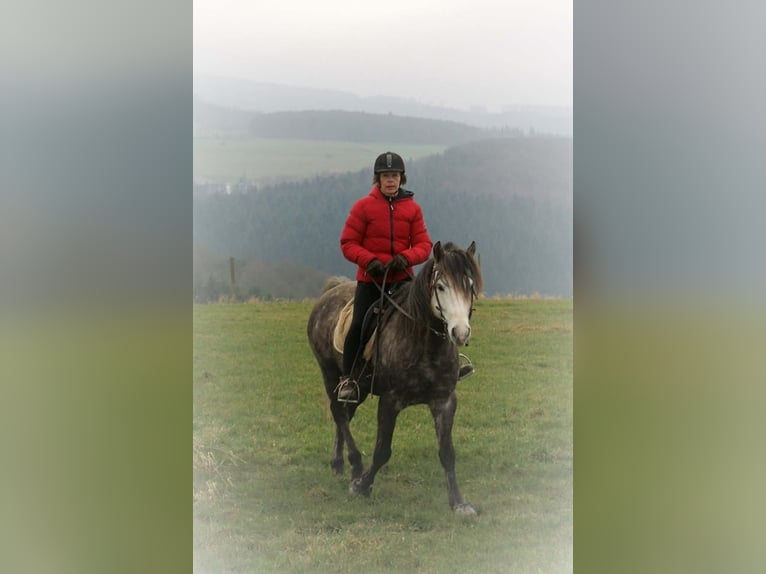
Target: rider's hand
x=375, y=268
x=398, y=263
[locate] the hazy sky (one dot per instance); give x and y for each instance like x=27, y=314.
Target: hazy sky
x=456, y=53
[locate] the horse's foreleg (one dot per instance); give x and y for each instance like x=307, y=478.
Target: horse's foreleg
x=387, y=413
x=444, y=415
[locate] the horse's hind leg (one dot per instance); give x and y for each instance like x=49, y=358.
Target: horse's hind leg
x=342, y=415
x=336, y=463
x=444, y=415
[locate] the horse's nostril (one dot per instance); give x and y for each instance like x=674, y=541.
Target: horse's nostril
x=460, y=334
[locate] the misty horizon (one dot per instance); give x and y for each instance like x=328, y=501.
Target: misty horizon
x=443, y=53
x=359, y=98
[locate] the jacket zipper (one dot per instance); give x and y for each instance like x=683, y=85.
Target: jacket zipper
x=391, y=222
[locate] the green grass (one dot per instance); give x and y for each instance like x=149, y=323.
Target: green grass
x=265, y=499
x=229, y=158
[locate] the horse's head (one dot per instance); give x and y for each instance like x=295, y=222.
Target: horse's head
x=455, y=283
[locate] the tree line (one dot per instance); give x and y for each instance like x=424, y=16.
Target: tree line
x=512, y=196
x=339, y=125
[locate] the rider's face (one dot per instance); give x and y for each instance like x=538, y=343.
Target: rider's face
x=390, y=181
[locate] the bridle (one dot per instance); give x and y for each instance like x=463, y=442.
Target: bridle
x=384, y=294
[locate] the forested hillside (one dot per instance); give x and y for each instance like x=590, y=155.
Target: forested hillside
x=334, y=126
x=512, y=196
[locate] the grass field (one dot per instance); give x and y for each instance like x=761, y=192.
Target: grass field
x=265, y=499
x=229, y=158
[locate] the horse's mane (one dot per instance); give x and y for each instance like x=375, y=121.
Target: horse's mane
x=458, y=262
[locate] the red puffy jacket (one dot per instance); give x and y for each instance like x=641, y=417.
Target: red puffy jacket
x=379, y=227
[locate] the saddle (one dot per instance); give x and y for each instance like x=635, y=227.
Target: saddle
x=369, y=329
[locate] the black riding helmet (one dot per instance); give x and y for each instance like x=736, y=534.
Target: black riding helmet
x=389, y=161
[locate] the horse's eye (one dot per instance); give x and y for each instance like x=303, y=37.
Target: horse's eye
x=440, y=288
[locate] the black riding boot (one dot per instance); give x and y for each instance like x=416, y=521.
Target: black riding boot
x=348, y=388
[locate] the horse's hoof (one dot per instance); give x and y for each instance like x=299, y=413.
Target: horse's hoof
x=465, y=509
x=356, y=488
x=337, y=467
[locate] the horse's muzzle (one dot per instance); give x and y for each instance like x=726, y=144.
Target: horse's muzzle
x=460, y=334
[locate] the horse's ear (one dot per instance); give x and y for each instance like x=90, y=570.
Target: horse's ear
x=471, y=249
x=438, y=251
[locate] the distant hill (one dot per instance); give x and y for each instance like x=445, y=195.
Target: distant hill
x=333, y=125
x=265, y=98
x=513, y=196
x=362, y=127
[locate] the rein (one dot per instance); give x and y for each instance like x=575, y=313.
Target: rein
x=435, y=292
x=385, y=295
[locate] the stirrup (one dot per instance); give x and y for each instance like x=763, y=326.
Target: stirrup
x=466, y=369
x=347, y=390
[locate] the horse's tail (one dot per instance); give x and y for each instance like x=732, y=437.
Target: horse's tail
x=334, y=282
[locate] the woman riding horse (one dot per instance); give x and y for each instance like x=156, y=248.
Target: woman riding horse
x=385, y=235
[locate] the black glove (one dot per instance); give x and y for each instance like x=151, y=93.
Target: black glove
x=398, y=263
x=375, y=268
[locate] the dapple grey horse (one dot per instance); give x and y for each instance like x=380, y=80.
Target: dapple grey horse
x=415, y=359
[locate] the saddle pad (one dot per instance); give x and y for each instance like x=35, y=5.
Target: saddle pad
x=342, y=327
